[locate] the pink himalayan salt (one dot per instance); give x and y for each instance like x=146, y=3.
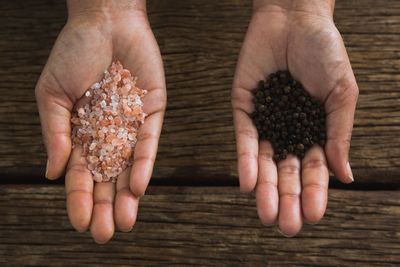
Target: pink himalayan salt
x=107, y=127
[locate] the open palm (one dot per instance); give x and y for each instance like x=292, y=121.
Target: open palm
x=311, y=48
x=83, y=50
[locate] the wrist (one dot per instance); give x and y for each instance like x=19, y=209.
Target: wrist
x=104, y=10
x=307, y=7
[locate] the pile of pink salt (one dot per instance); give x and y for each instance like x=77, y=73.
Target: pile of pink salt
x=107, y=126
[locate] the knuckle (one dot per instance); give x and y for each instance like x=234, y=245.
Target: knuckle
x=239, y=95
x=248, y=133
x=315, y=186
x=342, y=141
x=266, y=157
x=266, y=181
x=147, y=136
x=40, y=92
x=345, y=91
x=247, y=155
x=103, y=201
x=159, y=98
x=293, y=195
x=138, y=192
x=145, y=158
x=79, y=191
x=313, y=164
x=125, y=190
x=289, y=170
x=77, y=169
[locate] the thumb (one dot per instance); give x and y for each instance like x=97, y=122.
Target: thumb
x=340, y=107
x=54, y=111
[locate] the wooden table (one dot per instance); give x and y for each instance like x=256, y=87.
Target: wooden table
x=193, y=213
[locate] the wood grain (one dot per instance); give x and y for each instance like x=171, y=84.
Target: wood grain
x=200, y=41
x=184, y=226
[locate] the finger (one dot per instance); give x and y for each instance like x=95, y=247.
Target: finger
x=126, y=204
x=144, y=60
x=102, y=225
x=79, y=191
x=340, y=107
x=267, y=191
x=290, y=221
x=145, y=153
x=247, y=150
x=56, y=128
x=315, y=180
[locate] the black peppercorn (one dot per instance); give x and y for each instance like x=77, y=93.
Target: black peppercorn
x=259, y=94
x=300, y=146
x=261, y=85
x=287, y=116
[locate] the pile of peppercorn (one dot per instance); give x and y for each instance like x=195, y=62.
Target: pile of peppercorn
x=287, y=116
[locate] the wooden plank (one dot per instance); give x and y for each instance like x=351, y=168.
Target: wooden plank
x=198, y=134
x=202, y=226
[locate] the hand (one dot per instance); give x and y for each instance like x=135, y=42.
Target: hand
x=96, y=34
x=298, y=35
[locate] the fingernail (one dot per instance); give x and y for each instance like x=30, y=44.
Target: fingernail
x=279, y=231
x=311, y=223
x=47, y=166
x=349, y=172
x=100, y=242
x=127, y=230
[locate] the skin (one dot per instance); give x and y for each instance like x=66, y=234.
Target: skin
x=96, y=33
x=298, y=35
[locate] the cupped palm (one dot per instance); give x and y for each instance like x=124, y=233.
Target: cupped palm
x=83, y=50
x=311, y=48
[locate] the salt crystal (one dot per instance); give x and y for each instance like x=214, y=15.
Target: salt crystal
x=81, y=112
x=117, y=77
x=131, y=137
x=103, y=152
x=108, y=147
x=97, y=177
x=92, y=146
x=138, y=101
x=108, y=144
x=114, y=142
x=96, y=86
x=103, y=104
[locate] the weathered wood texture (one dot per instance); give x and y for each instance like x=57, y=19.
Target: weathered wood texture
x=200, y=41
x=203, y=227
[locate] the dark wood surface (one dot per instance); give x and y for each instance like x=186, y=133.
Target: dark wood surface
x=196, y=225
x=200, y=227
x=200, y=41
